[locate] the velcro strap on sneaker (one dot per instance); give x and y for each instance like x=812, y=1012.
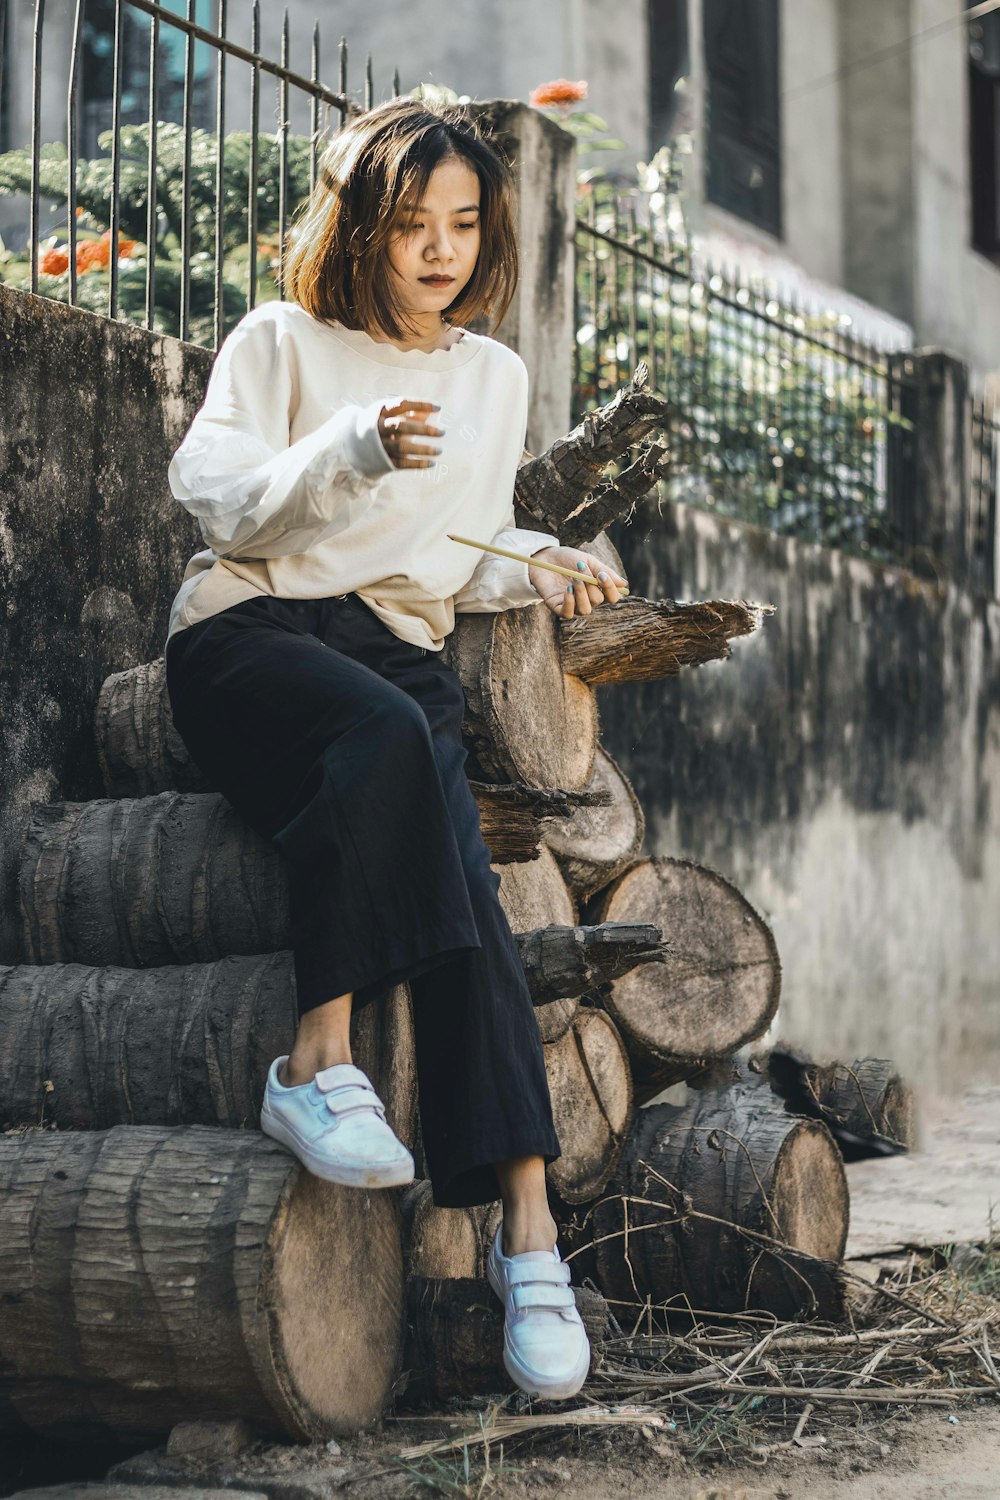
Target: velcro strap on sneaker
x=551, y=1271
x=349, y=1099
x=342, y=1075
x=539, y=1294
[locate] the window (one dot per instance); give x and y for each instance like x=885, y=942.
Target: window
x=668, y=62
x=97, y=70
x=743, y=148
x=984, y=127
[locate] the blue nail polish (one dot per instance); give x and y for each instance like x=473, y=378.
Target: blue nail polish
x=581, y=565
x=602, y=575
x=569, y=588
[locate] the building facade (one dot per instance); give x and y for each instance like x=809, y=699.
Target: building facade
x=844, y=148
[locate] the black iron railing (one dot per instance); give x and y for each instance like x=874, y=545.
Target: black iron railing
x=781, y=415
x=178, y=194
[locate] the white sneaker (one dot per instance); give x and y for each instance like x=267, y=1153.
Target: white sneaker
x=336, y=1127
x=546, y=1349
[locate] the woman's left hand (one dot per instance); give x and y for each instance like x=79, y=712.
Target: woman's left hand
x=566, y=599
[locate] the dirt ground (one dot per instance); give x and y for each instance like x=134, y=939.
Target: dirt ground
x=944, y=1194
x=927, y=1457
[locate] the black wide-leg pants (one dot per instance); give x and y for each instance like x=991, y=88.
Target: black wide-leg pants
x=341, y=744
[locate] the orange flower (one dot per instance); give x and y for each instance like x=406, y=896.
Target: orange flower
x=96, y=254
x=55, y=261
x=93, y=255
x=558, y=91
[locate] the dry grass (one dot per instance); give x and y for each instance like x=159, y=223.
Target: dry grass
x=743, y=1387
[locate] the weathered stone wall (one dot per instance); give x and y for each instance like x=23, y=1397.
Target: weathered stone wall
x=843, y=769
x=92, y=545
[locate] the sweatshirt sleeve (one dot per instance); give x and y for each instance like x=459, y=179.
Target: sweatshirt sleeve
x=256, y=494
x=499, y=582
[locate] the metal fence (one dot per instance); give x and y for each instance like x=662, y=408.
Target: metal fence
x=780, y=415
x=190, y=205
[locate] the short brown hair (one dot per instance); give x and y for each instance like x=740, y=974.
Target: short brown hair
x=336, y=268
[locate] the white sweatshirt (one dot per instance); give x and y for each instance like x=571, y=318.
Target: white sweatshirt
x=296, y=496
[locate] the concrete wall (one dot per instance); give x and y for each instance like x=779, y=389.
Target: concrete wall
x=957, y=290
x=92, y=545
x=843, y=770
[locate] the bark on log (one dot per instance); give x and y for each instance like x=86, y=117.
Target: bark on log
x=176, y=878
x=870, y=1099
x=445, y=1243
x=190, y=1044
x=718, y=987
x=758, y=1174
x=641, y=640
x=454, y=1339
x=865, y=1103
x=138, y=749
x=514, y=817
x=566, y=961
x=562, y=490
x=150, y=1275
x=595, y=844
x=591, y=1089
x=179, y=878
x=86, y=1049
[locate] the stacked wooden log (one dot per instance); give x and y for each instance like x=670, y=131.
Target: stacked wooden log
x=163, y=1256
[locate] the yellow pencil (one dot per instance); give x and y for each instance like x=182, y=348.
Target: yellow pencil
x=536, y=562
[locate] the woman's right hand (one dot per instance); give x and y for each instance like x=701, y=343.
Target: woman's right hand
x=400, y=425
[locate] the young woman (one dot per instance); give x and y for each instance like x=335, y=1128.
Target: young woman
x=344, y=433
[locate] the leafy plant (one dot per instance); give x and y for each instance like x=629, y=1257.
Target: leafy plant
x=93, y=192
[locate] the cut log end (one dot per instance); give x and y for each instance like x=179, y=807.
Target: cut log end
x=337, y=1292
x=718, y=987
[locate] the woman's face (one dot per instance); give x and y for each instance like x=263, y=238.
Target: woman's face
x=438, y=238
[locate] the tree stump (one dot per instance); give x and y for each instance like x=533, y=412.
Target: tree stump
x=867, y=1105
x=454, y=1338
x=445, y=1243
x=594, y=844
x=717, y=988
x=526, y=719
x=729, y=1204
x=150, y=1275
x=591, y=1089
